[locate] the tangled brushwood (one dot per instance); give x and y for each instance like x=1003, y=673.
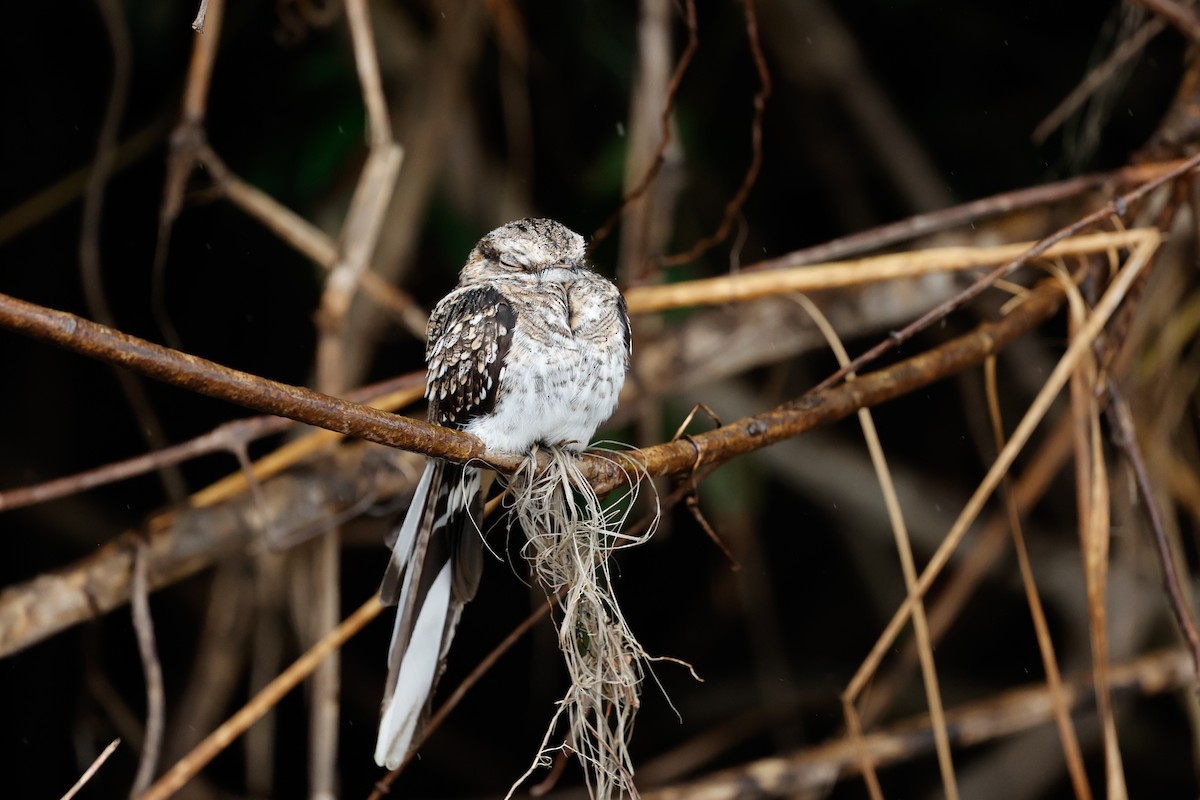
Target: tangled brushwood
x=570, y=537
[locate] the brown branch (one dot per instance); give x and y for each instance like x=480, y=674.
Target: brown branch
x=1114, y=208
x=734, y=206
x=304, y=405
x=260, y=394
x=354, y=420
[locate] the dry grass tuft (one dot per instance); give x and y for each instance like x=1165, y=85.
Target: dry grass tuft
x=570, y=536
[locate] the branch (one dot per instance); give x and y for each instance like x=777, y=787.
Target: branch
x=260, y=394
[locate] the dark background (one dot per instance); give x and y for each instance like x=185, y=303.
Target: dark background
x=969, y=81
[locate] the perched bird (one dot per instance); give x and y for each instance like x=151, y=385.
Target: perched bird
x=530, y=348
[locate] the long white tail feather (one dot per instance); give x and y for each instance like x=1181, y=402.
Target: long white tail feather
x=418, y=669
x=434, y=571
x=407, y=536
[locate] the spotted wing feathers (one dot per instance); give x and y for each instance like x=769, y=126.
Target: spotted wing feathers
x=470, y=334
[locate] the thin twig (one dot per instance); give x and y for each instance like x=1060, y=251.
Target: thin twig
x=685, y=59
x=1094, y=523
x=1095, y=530
x=1062, y=717
x=223, y=437
x=90, y=272
x=1096, y=78
x=186, y=140
x=1125, y=436
x=113, y=16
x=1183, y=18
x=143, y=624
x=91, y=770
x=367, y=64
x=201, y=13
x=734, y=206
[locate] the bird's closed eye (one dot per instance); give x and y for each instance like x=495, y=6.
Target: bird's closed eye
x=513, y=260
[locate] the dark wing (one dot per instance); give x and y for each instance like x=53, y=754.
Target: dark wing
x=623, y=312
x=470, y=333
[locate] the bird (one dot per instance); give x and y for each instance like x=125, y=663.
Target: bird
x=530, y=349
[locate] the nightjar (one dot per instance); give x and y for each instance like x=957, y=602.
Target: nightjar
x=530, y=348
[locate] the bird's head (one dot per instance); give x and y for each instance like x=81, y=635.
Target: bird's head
x=538, y=249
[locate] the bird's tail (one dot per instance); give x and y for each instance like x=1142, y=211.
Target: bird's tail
x=434, y=570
